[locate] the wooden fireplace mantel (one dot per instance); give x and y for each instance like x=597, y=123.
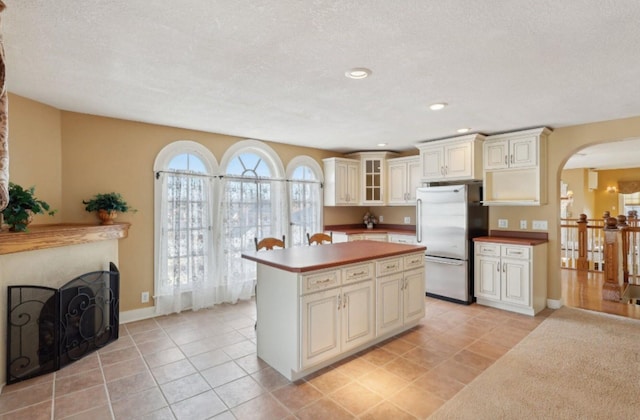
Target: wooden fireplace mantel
x=57, y=235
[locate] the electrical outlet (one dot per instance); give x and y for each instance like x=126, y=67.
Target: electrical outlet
x=523, y=224
x=381, y=217
x=407, y=220
x=144, y=297
x=539, y=224
x=503, y=223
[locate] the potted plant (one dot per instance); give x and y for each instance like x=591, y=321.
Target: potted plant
x=22, y=206
x=107, y=206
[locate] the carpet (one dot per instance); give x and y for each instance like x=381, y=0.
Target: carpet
x=576, y=364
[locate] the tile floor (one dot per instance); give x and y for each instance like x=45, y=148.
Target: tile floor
x=201, y=365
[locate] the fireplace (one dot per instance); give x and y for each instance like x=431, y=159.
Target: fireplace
x=49, y=328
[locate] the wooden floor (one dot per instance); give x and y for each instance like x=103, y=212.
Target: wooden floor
x=584, y=290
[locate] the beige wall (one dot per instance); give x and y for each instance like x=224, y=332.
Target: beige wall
x=35, y=152
x=583, y=198
x=102, y=154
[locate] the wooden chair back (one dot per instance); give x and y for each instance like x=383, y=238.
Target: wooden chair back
x=268, y=243
x=320, y=238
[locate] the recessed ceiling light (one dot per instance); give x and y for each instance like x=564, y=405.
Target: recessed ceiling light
x=463, y=130
x=438, y=106
x=382, y=144
x=358, y=73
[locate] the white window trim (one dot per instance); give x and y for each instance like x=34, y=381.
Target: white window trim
x=269, y=155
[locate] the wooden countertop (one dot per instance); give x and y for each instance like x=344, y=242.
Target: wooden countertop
x=309, y=258
x=510, y=240
x=382, y=230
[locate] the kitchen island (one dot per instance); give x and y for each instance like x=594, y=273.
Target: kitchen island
x=319, y=304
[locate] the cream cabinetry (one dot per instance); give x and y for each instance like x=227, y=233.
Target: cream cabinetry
x=511, y=277
x=515, y=168
x=373, y=176
x=404, y=178
x=308, y=320
x=337, y=320
x=399, y=238
x=400, y=294
x=454, y=159
x=341, y=182
x=380, y=237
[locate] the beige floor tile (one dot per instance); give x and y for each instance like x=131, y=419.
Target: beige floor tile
x=202, y=406
x=184, y=388
x=86, y=364
x=209, y=359
x=417, y=401
x=240, y=349
x=172, y=371
x=164, y=413
x=251, y=363
x=151, y=335
x=386, y=411
x=122, y=369
x=270, y=379
x=24, y=397
x=397, y=346
x=355, y=398
x=458, y=371
x=154, y=346
x=38, y=380
x=405, y=368
x=488, y=350
x=382, y=381
x=122, y=342
x=124, y=387
x=83, y=400
x=102, y=412
x=354, y=367
x=263, y=407
x=140, y=326
x=328, y=380
x=378, y=356
x=473, y=360
x=40, y=411
x=137, y=404
x=239, y=391
x=164, y=357
x=297, y=395
x=119, y=355
x=221, y=374
x=426, y=358
x=322, y=409
x=439, y=384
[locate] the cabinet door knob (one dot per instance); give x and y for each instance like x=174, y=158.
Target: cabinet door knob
x=339, y=301
x=498, y=267
x=505, y=159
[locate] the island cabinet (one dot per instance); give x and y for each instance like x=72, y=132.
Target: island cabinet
x=317, y=305
x=400, y=300
x=515, y=168
x=511, y=276
x=454, y=159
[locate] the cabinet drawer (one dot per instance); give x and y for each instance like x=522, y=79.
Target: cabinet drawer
x=388, y=266
x=357, y=272
x=485, y=248
x=413, y=261
x=514, y=251
x=402, y=239
x=320, y=281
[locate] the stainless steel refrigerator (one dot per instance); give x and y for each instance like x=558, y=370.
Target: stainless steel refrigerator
x=448, y=217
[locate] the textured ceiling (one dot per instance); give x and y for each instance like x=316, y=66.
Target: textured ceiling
x=274, y=70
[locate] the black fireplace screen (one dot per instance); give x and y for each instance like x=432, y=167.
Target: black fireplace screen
x=50, y=328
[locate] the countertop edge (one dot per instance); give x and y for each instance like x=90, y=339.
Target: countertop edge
x=511, y=240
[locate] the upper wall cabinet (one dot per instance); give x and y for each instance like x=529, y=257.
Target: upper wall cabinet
x=515, y=168
x=403, y=180
x=341, y=182
x=373, y=177
x=454, y=159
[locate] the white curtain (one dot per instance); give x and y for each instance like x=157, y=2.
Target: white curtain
x=249, y=208
x=304, y=211
x=186, y=270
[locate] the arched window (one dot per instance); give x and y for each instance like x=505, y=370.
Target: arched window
x=252, y=205
x=183, y=224
x=305, y=199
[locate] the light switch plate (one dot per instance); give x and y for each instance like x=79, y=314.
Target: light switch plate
x=503, y=223
x=407, y=220
x=523, y=224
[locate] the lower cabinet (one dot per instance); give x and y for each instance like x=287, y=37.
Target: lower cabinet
x=400, y=300
x=336, y=320
x=511, y=277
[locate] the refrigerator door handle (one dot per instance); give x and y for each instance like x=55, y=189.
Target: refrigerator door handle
x=419, y=220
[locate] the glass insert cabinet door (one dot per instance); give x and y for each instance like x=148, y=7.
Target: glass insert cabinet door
x=373, y=179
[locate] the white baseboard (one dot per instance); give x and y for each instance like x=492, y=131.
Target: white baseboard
x=554, y=303
x=137, y=314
